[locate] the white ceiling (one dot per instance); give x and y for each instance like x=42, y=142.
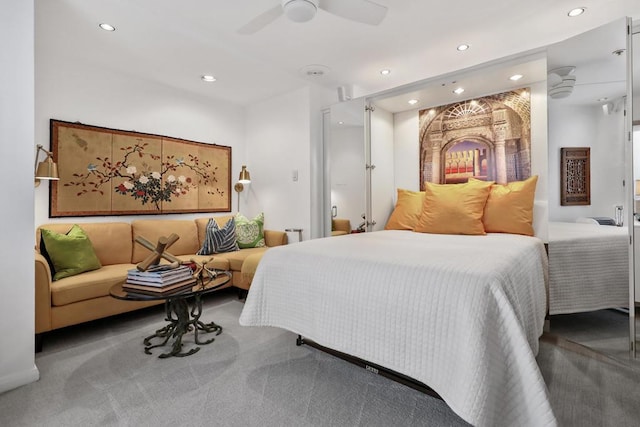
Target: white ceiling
x=175, y=42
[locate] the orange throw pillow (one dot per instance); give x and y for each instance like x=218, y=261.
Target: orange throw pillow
x=407, y=211
x=454, y=208
x=509, y=207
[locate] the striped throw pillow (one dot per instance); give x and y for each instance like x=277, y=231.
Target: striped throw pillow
x=218, y=240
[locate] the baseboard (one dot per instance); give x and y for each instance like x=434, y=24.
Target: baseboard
x=17, y=379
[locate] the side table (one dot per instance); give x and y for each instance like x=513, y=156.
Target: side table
x=295, y=230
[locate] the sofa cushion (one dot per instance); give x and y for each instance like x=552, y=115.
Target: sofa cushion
x=219, y=239
x=250, y=232
x=152, y=230
x=236, y=258
x=88, y=285
x=111, y=240
x=70, y=253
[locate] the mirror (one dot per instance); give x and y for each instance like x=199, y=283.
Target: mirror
x=345, y=158
x=589, y=249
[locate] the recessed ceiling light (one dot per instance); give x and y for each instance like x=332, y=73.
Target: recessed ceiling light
x=208, y=78
x=385, y=72
x=413, y=101
x=315, y=71
x=576, y=12
x=463, y=47
x=516, y=77
x=458, y=91
x=107, y=27
x=340, y=123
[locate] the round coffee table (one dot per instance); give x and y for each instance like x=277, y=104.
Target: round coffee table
x=183, y=310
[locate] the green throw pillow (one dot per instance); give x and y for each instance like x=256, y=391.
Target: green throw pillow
x=70, y=253
x=250, y=233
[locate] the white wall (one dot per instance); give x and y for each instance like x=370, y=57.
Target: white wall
x=16, y=216
x=587, y=126
x=278, y=139
x=80, y=91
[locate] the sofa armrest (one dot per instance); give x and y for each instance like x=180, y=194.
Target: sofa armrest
x=275, y=238
x=42, y=294
x=338, y=224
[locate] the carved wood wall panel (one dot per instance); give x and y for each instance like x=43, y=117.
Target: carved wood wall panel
x=575, y=176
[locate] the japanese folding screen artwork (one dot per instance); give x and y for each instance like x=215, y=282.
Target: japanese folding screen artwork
x=115, y=172
x=486, y=138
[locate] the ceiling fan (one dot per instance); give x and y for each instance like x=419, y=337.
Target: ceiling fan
x=363, y=11
x=560, y=82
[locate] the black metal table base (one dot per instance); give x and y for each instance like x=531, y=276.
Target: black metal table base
x=181, y=321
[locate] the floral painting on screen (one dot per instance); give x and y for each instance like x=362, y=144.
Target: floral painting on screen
x=110, y=172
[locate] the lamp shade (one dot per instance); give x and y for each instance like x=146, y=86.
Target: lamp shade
x=47, y=170
x=245, y=177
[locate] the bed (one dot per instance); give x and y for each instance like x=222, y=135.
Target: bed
x=461, y=314
x=588, y=267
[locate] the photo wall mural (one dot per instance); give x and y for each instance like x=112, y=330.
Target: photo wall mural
x=486, y=138
x=115, y=172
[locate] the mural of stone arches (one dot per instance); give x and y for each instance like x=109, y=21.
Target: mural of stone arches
x=487, y=138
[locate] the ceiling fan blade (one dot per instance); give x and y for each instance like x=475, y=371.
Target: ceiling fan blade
x=363, y=11
x=261, y=21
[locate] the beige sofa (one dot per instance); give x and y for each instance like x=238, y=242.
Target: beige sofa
x=85, y=297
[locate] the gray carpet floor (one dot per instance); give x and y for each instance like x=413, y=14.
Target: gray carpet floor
x=97, y=374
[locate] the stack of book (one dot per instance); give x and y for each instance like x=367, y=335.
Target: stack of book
x=159, y=280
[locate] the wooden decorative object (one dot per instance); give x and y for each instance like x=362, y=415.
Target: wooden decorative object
x=116, y=172
x=575, y=176
x=158, y=252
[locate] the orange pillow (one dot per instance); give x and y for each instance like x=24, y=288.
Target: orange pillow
x=407, y=210
x=454, y=208
x=509, y=207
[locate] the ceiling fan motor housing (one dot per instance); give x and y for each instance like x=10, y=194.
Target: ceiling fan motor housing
x=300, y=10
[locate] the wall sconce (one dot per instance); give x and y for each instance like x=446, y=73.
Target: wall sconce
x=244, y=178
x=46, y=169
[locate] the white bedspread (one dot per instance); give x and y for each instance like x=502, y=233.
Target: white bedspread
x=461, y=314
x=588, y=267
